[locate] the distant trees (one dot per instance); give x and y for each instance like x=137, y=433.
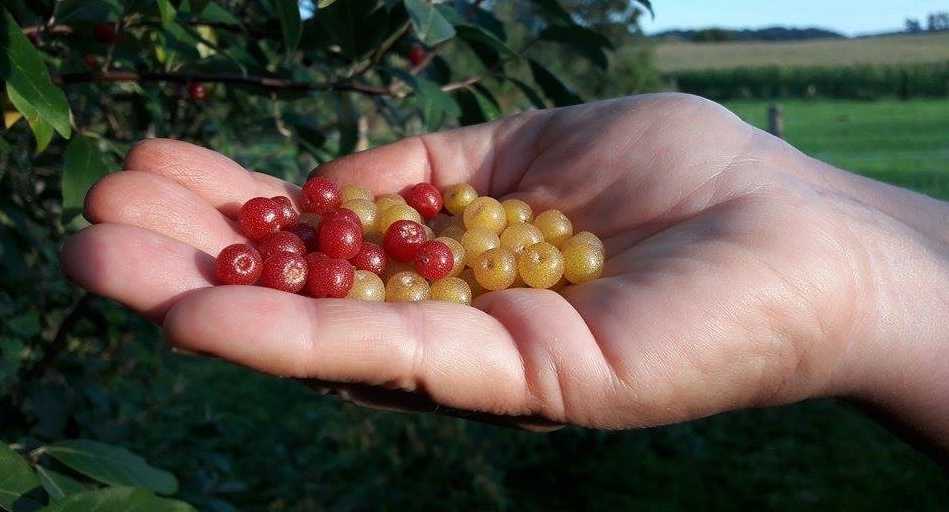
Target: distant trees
x=938, y=21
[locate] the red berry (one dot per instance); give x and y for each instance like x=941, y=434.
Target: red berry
x=238, y=264
x=307, y=234
x=340, y=238
x=372, y=258
x=322, y=195
x=434, y=260
x=343, y=214
x=35, y=37
x=284, y=271
x=281, y=241
x=425, y=198
x=417, y=55
x=403, y=238
x=328, y=277
x=105, y=33
x=259, y=218
x=288, y=216
x=197, y=91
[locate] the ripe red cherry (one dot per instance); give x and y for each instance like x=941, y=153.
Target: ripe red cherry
x=417, y=55
x=340, y=238
x=372, y=258
x=238, y=264
x=343, y=214
x=288, y=216
x=259, y=218
x=281, y=241
x=284, y=271
x=307, y=234
x=403, y=238
x=91, y=61
x=434, y=260
x=197, y=91
x=425, y=198
x=104, y=33
x=322, y=195
x=328, y=277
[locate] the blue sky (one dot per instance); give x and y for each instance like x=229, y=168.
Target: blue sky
x=851, y=17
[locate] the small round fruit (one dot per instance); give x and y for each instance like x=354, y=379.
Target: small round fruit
x=403, y=239
x=322, y=195
x=372, y=258
x=478, y=240
x=584, y=237
x=307, y=234
x=281, y=241
x=407, y=287
x=517, y=211
x=365, y=210
x=395, y=213
x=393, y=267
x=91, y=61
x=386, y=201
x=350, y=192
x=417, y=55
x=329, y=277
x=468, y=276
x=495, y=269
x=284, y=271
x=540, y=265
x=340, y=238
x=555, y=226
x=457, y=254
x=367, y=286
x=452, y=289
x=105, y=33
x=458, y=197
x=259, y=218
x=238, y=264
x=455, y=231
x=197, y=91
x=288, y=215
x=425, y=198
x=582, y=262
x=434, y=260
x=518, y=236
x=343, y=214
x=485, y=212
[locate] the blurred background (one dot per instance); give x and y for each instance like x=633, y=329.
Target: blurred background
x=95, y=409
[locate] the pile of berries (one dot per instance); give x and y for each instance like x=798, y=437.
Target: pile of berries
x=349, y=244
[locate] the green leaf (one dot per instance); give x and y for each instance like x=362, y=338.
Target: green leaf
x=83, y=165
x=58, y=485
x=436, y=106
x=289, y=13
x=471, y=33
x=42, y=130
x=89, y=11
x=356, y=26
x=22, y=67
x=117, y=499
x=648, y=5
x=167, y=11
x=431, y=27
x=214, y=13
x=112, y=465
x=553, y=88
x=348, y=124
x=324, y=3
x=554, y=12
x=588, y=42
x=16, y=480
x=477, y=105
x=529, y=92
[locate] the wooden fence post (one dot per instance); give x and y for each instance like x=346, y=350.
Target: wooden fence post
x=776, y=120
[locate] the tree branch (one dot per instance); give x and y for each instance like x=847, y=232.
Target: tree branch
x=461, y=84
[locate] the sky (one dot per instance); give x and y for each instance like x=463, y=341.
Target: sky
x=851, y=17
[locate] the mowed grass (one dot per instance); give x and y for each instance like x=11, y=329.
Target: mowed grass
x=901, y=142
x=927, y=48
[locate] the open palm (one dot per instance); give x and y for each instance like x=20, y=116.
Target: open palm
x=711, y=298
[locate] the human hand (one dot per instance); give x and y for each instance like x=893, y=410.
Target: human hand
x=739, y=274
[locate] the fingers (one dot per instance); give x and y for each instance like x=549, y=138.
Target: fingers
x=156, y=203
x=492, y=157
x=221, y=181
x=142, y=269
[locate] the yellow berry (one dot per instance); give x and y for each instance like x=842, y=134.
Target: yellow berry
x=458, y=197
x=518, y=236
x=384, y=201
x=517, y=211
x=582, y=262
x=478, y=240
x=350, y=192
x=453, y=231
x=540, y=265
x=485, y=212
x=407, y=287
x=555, y=226
x=451, y=289
x=367, y=286
x=397, y=212
x=584, y=237
x=312, y=219
x=495, y=269
x=457, y=253
x=366, y=211
x=468, y=276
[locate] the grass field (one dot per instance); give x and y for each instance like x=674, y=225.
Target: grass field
x=676, y=56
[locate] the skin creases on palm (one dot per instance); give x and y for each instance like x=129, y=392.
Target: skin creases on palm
x=711, y=299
